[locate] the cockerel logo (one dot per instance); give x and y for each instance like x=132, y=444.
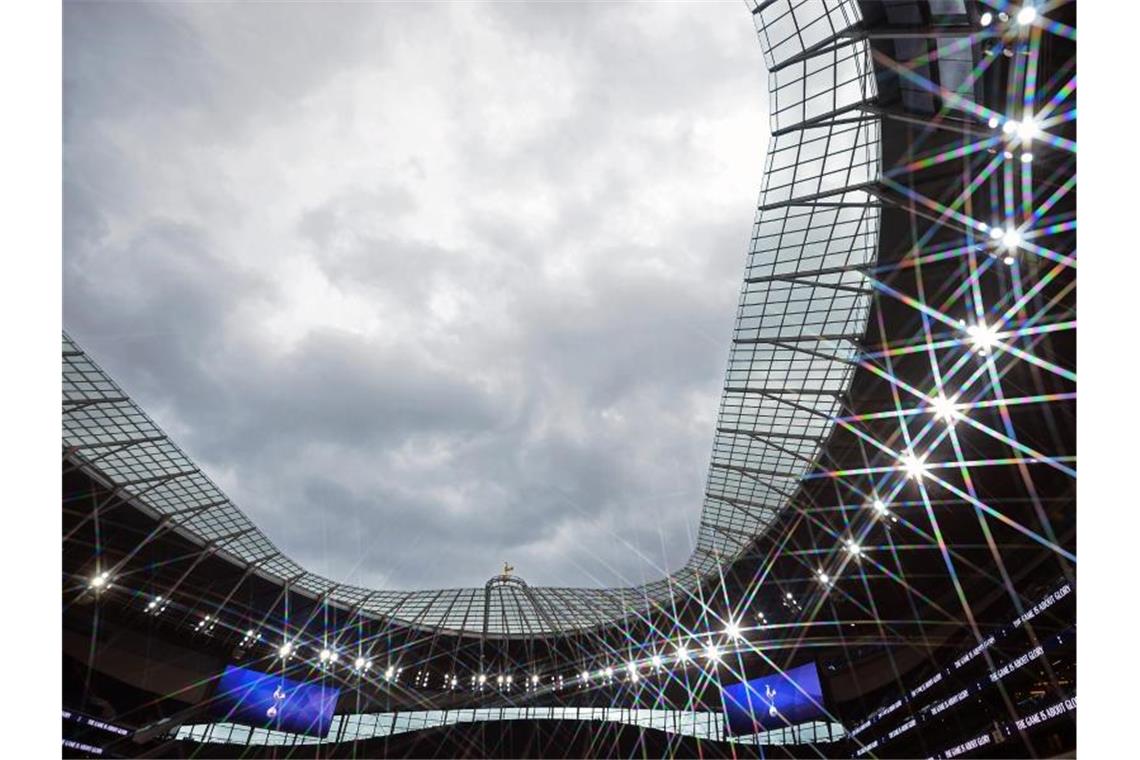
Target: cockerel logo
x=770, y=695
x=278, y=699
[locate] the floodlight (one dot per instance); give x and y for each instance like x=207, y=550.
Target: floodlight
x=982, y=337
x=1026, y=15
x=945, y=409
x=914, y=465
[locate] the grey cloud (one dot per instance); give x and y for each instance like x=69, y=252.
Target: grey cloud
x=424, y=287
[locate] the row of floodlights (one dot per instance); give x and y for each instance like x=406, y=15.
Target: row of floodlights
x=1024, y=17
x=851, y=547
x=711, y=652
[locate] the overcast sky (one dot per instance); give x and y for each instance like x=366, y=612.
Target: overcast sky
x=423, y=287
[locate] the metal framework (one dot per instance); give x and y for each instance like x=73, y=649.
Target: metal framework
x=892, y=484
x=802, y=312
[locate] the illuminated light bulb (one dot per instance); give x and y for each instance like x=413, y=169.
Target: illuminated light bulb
x=534, y=680
x=285, y=650
x=879, y=507
x=1010, y=127
x=510, y=680
x=987, y=19
x=682, y=653
x=712, y=653
x=359, y=664
x=325, y=655
x=1027, y=15
x=788, y=595
x=914, y=465
x=996, y=232
x=993, y=122
x=854, y=549
x=100, y=580
x=1027, y=130
x=1026, y=158
x=482, y=679
x=1007, y=155
x=392, y=671
x=585, y=676
x=945, y=409
x=732, y=630
x=1008, y=261
x=982, y=337
x=334, y=657
x=609, y=672
x=655, y=660
x=824, y=578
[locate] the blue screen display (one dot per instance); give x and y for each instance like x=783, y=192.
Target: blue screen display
x=775, y=701
x=267, y=701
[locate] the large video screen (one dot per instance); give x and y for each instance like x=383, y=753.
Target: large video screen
x=268, y=701
x=775, y=701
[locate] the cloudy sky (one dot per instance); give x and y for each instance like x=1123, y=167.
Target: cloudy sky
x=423, y=287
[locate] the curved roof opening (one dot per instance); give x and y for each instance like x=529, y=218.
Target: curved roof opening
x=422, y=289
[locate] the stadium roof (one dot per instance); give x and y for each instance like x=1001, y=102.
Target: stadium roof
x=896, y=429
x=802, y=309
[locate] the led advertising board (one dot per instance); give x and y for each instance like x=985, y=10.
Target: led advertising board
x=776, y=701
x=262, y=700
